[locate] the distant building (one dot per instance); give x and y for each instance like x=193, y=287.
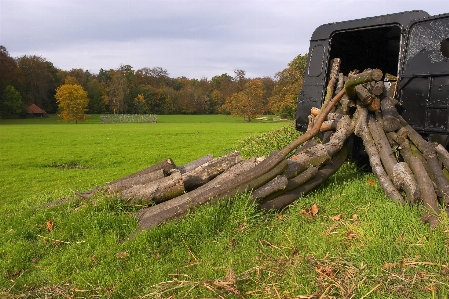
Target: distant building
x=36, y=111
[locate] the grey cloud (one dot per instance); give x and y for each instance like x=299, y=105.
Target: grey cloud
x=188, y=38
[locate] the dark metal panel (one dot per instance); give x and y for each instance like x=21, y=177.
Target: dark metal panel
x=439, y=92
x=436, y=119
x=403, y=18
x=413, y=100
x=316, y=61
x=310, y=96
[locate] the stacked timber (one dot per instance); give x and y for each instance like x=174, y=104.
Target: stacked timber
x=358, y=104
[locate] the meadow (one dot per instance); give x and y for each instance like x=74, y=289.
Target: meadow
x=359, y=245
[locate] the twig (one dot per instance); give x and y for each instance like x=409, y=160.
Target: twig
x=59, y=241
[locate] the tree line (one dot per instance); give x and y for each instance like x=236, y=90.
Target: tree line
x=31, y=79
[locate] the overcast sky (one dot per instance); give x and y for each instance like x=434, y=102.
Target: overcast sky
x=188, y=38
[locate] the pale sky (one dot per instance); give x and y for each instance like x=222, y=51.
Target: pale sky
x=191, y=38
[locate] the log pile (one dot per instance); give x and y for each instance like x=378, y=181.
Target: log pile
x=359, y=104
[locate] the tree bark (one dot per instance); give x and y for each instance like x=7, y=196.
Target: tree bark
x=390, y=115
x=333, y=77
x=313, y=156
x=194, y=164
x=366, y=76
x=443, y=155
x=207, y=171
x=383, y=147
x=425, y=184
x=376, y=165
x=277, y=184
x=129, y=182
x=325, y=172
x=295, y=182
x=157, y=191
x=345, y=128
x=430, y=155
x=214, y=190
x=403, y=179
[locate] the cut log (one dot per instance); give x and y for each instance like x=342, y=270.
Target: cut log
x=390, y=115
x=340, y=83
x=364, y=95
x=345, y=128
x=375, y=105
x=276, y=184
x=375, y=162
x=366, y=76
x=430, y=155
x=194, y=164
x=383, y=146
x=313, y=156
x=329, y=125
x=403, y=179
x=158, y=214
x=135, y=180
x=157, y=191
x=207, y=171
x=295, y=182
x=425, y=184
x=333, y=77
x=377, y=88
x=325, y=172
x=166, y=166
x=443, y=155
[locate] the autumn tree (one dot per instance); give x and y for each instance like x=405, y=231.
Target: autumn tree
x=96, y=92
x=37, y=80
x=8, y=69
x=115, y=97
x=11, y=105
x=72, y=101
x=248, y=102
x=288, y=84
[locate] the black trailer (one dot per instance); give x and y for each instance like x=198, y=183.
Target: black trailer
x=412, y=46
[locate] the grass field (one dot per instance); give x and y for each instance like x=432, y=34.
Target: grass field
x=359, y=245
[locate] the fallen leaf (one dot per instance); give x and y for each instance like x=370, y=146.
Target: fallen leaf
x=122, y=255
x=337, y=217
x=305, y=213
x=295, y=252
x=49, y=224
x=325, y=271
x=350, y=235
x=371, y=182
x=314, y=209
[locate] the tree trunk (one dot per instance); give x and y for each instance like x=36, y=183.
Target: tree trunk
x=157, y=191
x=325, y=172
x=430, y=155
x=277, y=184
x=425, y=184
x=390, y=115
x=366, y=76
x=206, y=172
x=313, y=156
x=376, y=165
x=194, y=164
x=129, y=182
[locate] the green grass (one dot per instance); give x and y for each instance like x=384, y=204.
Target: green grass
x=359, y=244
